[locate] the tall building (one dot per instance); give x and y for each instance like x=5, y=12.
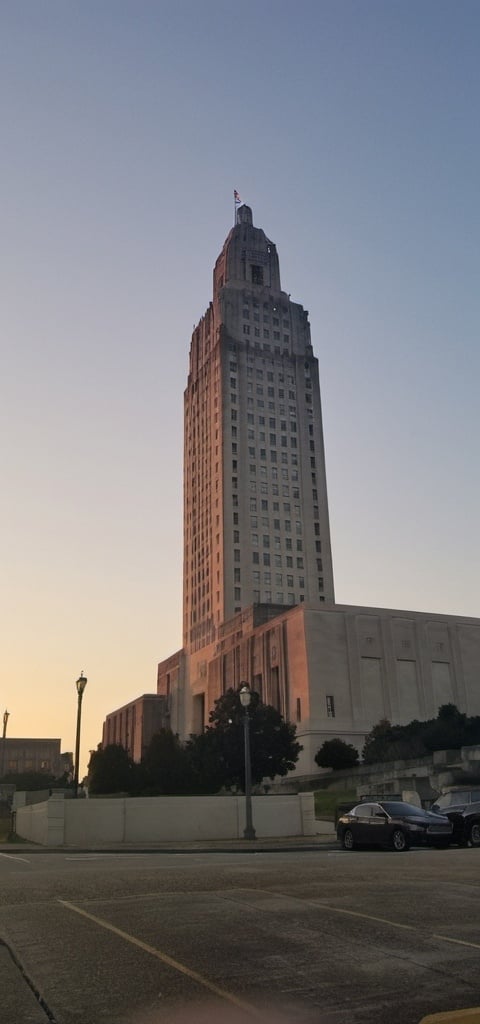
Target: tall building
x=256, y=526
x=258, y=601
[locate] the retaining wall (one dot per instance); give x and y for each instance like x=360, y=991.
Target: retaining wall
x=59, y=822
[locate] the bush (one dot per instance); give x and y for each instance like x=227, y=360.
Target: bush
x=336, y=754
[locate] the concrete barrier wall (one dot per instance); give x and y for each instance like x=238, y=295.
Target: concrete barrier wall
x=93, y=822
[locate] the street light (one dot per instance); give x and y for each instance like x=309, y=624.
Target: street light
x=245, y=698
x=80, y=684
x=6, y=716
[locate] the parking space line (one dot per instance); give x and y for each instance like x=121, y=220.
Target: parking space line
x=14, y=856
x=366, y=917
x=458, y=942
x=379, y=920
x=341, y=910
x=168, y=960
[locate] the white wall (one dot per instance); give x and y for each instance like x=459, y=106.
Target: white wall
x=162, y=819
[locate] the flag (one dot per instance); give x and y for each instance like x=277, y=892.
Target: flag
x=236, y=196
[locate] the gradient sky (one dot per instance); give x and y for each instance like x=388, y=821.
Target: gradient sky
x=352, y=129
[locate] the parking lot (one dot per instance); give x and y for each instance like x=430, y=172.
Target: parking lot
x=321, y=936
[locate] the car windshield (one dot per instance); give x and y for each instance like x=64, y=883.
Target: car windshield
x=453, y=798
x=395, y=807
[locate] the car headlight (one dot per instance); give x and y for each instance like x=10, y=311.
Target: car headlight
x=415, y=828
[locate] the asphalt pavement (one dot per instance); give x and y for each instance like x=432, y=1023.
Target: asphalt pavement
x=24, y=1005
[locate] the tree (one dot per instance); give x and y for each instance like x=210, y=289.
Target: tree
x=377, y=742
x=111, y=770
x=218, y=755
x=336, y=754
x=449, y=731
x=166, y=765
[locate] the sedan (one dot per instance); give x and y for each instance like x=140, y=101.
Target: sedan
x=392, y=824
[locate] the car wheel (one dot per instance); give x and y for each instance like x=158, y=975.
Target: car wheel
x=474, y=833
x=348, y=840
x=399, y=840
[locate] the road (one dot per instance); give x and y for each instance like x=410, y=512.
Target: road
x=157, y=938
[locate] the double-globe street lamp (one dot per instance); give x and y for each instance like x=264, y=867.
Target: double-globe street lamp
x=80, y=684
x=245, y=698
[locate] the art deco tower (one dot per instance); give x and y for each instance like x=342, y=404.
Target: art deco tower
x=256, y=526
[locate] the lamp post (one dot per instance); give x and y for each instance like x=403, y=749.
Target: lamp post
x=245, y=698
x=6, y=716
x=80, y=684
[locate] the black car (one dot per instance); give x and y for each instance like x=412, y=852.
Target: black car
x=456, y=800
x=393, y=824
x=465, y=823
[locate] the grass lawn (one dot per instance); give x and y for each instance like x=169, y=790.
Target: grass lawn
x=326, y=801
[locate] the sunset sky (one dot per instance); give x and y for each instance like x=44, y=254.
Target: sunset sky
x=351, y=129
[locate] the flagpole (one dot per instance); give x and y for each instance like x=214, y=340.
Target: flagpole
x=236, y=203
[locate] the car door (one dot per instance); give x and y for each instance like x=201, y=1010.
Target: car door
x=363, y=824
x=379, y=825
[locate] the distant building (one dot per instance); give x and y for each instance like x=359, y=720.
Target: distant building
x=133, y=725
x=31, y=755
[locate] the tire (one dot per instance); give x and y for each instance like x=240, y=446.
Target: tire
x=348, y=841
x=399, y=841
x=474, y=833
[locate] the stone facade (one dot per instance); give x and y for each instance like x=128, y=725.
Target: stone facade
x=334, y=670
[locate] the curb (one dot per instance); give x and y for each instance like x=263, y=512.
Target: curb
x=470, y=1016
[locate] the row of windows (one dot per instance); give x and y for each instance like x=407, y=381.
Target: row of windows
x=278, y=564
x=273, y=474
x=267, y=579
x=267, y=560
x=266, y=333
x=287, y=525
x=266, y=318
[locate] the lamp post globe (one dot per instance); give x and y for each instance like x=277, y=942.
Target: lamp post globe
x=80, y=686
x=245, y=695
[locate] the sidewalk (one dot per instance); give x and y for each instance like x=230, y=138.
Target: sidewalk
x=263, y=845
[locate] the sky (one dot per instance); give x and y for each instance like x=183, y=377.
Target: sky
x=351, y=129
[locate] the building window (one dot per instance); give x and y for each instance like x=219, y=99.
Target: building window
x=330, y=706
x=257, y=275
x=299, y=709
